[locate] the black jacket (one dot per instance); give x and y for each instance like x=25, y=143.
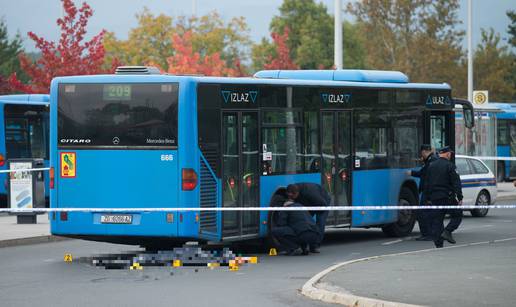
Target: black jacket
x=442, y=181
x=421, y=173
x=312, y=195
x=299, y=221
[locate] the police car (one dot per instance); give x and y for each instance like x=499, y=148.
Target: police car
x=478, y=183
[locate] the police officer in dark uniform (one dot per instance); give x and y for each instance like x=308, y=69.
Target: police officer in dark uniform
x=427, y=156
x=311, y=195
x=442, y=188
x=295, y=230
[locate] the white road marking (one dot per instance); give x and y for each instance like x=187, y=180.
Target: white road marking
x=504, y=240
x=480, y=243
x=475, y=227
x=392, y=242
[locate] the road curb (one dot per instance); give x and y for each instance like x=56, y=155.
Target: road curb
x=343, y=297
x=31, y=240
x=310, y=290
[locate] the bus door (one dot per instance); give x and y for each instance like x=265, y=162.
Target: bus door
x=336, y=150
x=240, y=173
x=438, y=129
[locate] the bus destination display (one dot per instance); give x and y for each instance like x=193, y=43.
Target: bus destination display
x=117, y=92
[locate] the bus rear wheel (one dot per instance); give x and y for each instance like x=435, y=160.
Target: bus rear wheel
x=406, y=218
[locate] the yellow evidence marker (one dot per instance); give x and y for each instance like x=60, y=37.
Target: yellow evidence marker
x=213, y=265
x=233, y=267
x=68, y=258
x=272, y=252
x=176, y=263
x=136, y=266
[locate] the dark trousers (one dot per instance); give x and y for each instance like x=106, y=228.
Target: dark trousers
x=435, y=222
x=455, y=219
x=423, y=217
x=288, y=239
x=320, y=222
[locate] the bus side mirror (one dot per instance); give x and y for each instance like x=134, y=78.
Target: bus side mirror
x=467, y=112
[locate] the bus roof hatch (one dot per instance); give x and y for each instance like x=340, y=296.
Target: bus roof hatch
x=137, y=70
x=352, y=75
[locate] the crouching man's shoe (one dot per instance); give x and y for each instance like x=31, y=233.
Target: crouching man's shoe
x=314, y=250
x=448, y=237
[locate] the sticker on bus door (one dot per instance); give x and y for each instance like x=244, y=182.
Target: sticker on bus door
x=68, y=165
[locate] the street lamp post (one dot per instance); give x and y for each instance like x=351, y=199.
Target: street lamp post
x=338, y=57
x=470, y=55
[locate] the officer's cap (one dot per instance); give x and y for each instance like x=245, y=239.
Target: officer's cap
x=445, y=149
x=425, y=147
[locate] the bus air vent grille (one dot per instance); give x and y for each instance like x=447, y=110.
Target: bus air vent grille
x=208, y=219
x=211, y=154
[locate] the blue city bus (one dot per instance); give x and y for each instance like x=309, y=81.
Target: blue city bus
x=142, y=140
x=506, y=141
x=24, y=131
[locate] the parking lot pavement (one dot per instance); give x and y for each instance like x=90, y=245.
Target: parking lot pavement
x=478, y=274
x=12, y=233
x=506, y=191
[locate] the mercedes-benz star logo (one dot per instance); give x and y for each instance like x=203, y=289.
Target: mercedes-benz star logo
x=116, y=140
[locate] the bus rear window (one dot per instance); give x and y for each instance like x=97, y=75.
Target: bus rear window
x=118, y=115
x=26, y=131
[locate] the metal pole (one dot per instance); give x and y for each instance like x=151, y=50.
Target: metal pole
x=470, y=55
x=194, y=8
x=338, y=56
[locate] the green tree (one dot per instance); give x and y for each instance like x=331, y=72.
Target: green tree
x=419, y=38
x=261, y=53
x=512, y=41
x=512, y=28
x=151, y=40
x=310, y=37
x=311, y=32
x=210, y=35
x=493, y=67
x=9, y=63
x=353, y=47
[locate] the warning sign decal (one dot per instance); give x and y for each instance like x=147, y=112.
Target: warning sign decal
x=68, y=165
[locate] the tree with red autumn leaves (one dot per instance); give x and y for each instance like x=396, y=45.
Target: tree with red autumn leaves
x=70, y=56
x=186, y=61
x=281, y=58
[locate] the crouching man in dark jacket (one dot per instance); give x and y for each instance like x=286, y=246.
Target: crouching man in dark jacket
x=295, y=230
x=311, y=195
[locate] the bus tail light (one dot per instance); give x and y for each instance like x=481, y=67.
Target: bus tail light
x=64, y=216
x=232, y=183
x=249, y=181
x=51, y=177
x=2, y=160
x=189, y=177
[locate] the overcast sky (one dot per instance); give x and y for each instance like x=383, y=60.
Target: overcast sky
x=40, y=16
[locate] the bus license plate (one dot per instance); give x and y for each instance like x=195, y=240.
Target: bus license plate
x=116, y=219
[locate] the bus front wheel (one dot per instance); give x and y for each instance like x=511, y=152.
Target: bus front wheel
x=406, y=218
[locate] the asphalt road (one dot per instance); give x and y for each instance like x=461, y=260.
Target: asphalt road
x=37, y=275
